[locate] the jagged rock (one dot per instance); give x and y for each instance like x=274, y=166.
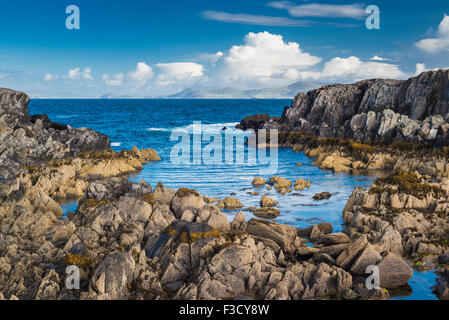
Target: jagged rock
x=163, y=194
x=370, y=110
x=334, y=251
x=239, y=222
x=301, y=184
x=266, y=213
x=394, y=271
x=345, y=259
x=259, y=182
x=112, y=277
x=281, y=184
x=368, y=257
x=230, y=203
x=319, y=257
x=334, y=238
x=284, y=236
x=186, y=200
x=316, y=231
x=266, y=202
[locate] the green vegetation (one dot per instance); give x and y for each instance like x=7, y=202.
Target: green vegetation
x=183, y=192
x=406, y=182
x=79, y=260
x=94, y=203
x=148, y=198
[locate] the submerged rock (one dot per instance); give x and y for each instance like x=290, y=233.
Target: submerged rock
x=322, y=196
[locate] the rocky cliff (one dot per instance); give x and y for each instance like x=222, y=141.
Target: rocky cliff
x=415, y=110
x=28, y=140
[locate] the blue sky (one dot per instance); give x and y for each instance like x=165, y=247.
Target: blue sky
x=150, y=48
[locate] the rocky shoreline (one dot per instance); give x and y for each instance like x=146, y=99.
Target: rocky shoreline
x=133, y=241
x=394, y=127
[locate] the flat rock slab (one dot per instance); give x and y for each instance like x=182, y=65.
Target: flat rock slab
x=334, y=238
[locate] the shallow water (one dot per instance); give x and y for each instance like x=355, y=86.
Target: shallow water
x=149, y=123
x=421, y=284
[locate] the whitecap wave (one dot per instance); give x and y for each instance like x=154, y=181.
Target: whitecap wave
x=205, y=128
x=116, y=144
x=158, y=129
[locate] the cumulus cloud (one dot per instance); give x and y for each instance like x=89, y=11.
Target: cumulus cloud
x=420, y=68
x=353, y=11
x=438, y=43
x=265, y=59
x=377, y=58
x=251, y=19
x=354, y=69
x=114, y=80
x=171, y=73
x=77, y=74
x=141, y=74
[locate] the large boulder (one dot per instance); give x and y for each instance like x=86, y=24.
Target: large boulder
x=394, y=271
x=284, y=236
x=186, y=200
x=259, y=182
x=112, y=277
x=266, y=202
x=230, y=203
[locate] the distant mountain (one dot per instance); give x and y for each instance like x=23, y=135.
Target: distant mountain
x=114, y=96
x=287, y=92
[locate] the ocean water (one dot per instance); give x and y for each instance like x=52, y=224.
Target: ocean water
x=150, y=123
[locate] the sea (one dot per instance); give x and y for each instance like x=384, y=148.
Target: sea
x=183, y=132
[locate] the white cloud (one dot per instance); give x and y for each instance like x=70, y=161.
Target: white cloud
x=265, y=59
x=354, y=69
x=114, y=80
x=440, y=42
x=377, y=58
x=420, y=68
x=141, y=74
x=354, y=11
x=253, y=19
x=77, y=74
x=175, y=72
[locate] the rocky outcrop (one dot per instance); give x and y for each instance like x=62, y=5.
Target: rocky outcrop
x=402, y=213
x=37, y=155
x=414, y=110
x=266, y=202
x=230, y=203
